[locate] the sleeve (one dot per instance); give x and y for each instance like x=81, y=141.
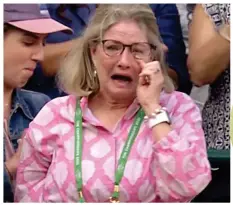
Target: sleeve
x=219, y=14
x=8, y=193
x=37, y=152
x=181, y=161
x=168, y=21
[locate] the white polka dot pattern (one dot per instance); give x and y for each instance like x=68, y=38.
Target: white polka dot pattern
x=60, y=173
x=99, y=191
x=69, y=149
x=124, y=196
x=61, y=129
x=188, y=166
x=175, y=169
x=38, y=135
x=90, y=134
x=130, y=172
x=146, y=192
x=144, y=148
x=88, y=168
x=199, y=182
x=100, y=149
x=43, y=121
x=109, y=168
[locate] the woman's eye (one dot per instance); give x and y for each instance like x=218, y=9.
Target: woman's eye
x=28, y=43
x=113, y=47
x=138, y=51
x=33, y=42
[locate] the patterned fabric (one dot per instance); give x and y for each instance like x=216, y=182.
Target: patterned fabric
x=219, y=13
x=216, y=112
x=174, y=169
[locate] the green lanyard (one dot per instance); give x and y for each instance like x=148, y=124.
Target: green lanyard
x=123, y=158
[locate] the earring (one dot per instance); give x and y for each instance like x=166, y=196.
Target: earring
x=95, y=73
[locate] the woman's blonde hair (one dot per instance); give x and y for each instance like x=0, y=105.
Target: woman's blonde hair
x=77, y=74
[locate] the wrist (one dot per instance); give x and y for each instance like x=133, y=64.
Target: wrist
x=159, y=116
x=150, y=108
x=10, y=170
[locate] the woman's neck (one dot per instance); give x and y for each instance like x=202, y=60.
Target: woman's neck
x=107, y=103
x=107, y=110
x=7, y=101
x=7, y=94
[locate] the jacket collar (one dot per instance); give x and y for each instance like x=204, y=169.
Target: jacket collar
x=19, y=102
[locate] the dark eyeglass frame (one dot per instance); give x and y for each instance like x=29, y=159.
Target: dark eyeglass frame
x=125, y=45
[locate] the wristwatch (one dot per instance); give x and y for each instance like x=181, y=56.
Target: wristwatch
x=159, y=117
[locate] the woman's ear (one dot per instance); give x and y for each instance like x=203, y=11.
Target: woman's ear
x=93, y=53
x=165, y=48
x=93, y=50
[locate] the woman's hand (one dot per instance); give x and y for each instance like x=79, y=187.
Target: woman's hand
x=13, y=162
x=150, y=84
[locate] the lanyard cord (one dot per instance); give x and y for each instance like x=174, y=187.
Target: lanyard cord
x=123, y=158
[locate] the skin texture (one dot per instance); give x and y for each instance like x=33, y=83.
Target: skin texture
x=124, y=64
x=209, y=52
x=20, y=63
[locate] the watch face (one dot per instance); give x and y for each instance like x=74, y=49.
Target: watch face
x=160, y=118
x=168, y=117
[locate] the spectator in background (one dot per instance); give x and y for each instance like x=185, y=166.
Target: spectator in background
x=77, y=16
x=169, y=26
x=198, y=94
x=209, y=63
x=25, y=30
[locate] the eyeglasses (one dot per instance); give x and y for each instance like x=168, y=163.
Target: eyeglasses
x=138, y=50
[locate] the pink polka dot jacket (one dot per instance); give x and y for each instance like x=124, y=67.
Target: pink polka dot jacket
x=174, y=169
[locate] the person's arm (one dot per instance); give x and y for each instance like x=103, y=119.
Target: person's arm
x=173, y=75
x=54, y=52
x=182, y=168
x=209, y=51
x=8, y=193
x=10, y=168
x=168, y=21
x=53, y=55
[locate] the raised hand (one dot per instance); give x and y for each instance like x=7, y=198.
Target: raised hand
x=150, y=84
x=12, y=163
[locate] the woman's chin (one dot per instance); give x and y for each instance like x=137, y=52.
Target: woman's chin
x=122, y=94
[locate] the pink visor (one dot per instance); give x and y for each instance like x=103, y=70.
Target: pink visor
x=29, y=18
x=41, y=26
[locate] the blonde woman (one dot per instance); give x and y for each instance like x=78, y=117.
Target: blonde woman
x=123, y=134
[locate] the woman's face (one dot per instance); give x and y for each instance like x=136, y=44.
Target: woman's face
x=22, y=51
x=118, y=72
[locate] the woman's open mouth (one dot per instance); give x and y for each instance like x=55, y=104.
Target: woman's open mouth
x=121, y=78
